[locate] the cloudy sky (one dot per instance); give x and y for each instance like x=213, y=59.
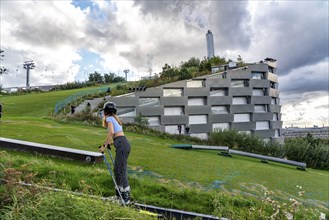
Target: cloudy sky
x=67, y=40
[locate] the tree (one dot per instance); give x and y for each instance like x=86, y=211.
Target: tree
x=95, y=77
x=192, y=62
x=240, y=61
x=109, y=77
x=216, y=60
x=3, y=70
x=168, y=72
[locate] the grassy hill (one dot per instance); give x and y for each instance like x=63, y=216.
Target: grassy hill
x=198, y=181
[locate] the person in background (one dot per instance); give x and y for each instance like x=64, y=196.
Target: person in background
x=72, y=109
x=116, y=137
x=180, y=129
x=1, y=109
x=187, y=128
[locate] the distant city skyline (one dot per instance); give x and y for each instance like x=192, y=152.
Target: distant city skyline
x=67, y=40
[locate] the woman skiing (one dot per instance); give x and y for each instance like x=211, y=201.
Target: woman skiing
x=116, y=137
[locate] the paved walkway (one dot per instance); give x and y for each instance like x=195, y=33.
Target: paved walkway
x=93, y=104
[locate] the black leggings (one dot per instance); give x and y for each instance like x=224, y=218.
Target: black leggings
x=122, y=149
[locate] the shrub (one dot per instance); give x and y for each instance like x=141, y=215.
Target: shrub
x=314, y=152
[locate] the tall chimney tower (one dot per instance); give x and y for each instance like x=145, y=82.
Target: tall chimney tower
x=210, y=45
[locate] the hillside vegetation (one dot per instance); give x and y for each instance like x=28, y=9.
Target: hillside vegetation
x=200, y=181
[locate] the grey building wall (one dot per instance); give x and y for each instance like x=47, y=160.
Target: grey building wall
x=245, y=99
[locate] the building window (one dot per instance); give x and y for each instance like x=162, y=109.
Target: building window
x=273, y=85
x=270, y=69
x=266, y=140
x=262, y=125
x=275, y=117
x=172, y=129
x=257, y=75
x=153, y=121
x=172, y=92
x=202, y=136
x=277, y=133
x=273, y=101
x=126, y=112
x=195, y=83
x=173, y=111
x=258, y=92
x=197, y=119
x=245, y=132
x=196, y=101
x=241, y=117
x=260, y=108
x=149, y=102
x=221, y=109
x=240, y=100
x=220, y=126
x=239, y=83
x=218, y=92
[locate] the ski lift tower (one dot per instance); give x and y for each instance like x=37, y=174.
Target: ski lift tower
x=28, y=65
x=126, y=71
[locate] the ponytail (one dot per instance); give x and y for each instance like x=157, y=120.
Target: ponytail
x=117, y=119
x=104, y=123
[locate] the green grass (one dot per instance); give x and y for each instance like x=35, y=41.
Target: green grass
x=154, y=166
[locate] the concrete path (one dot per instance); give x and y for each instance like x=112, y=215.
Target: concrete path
x=93, y=104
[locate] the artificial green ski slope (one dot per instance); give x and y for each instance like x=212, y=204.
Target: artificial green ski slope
x=26, y=117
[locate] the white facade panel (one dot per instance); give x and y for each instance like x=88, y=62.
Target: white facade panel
x=240, y=100
x=220, y=126
x=221, y=109
x=258, y=92
x=260, y=108
x=218, y=92
x=202, y=136
x=126, y=112
x=153, y=121
x=149, y=102
x=173, y=111
x=171, y=129
x=277, y=133
x=237, y=83
x=172, y=92
x=241, y=117
x=245, y=132
x=262, y=125
x=198, y=119
x=196, y=101
x=195, y=83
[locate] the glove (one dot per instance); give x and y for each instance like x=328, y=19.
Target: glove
x=102, y=149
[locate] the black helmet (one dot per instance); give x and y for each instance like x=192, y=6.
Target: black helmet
x=109, y=108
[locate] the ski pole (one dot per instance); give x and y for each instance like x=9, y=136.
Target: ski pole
x=109, y=150
x=111, y=173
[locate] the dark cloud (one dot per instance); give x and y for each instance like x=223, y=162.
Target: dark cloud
x=230, y=23
x=103, y=30
x=228, y=20
x=296, y=34
x=306, y=79
x=43, y=31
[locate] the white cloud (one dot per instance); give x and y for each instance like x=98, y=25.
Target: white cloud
x=305, y=109
x=147, y=34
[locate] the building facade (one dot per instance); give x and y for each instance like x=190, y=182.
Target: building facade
x=245, y=99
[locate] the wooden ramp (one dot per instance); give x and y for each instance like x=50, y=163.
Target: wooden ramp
x=61, y=152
